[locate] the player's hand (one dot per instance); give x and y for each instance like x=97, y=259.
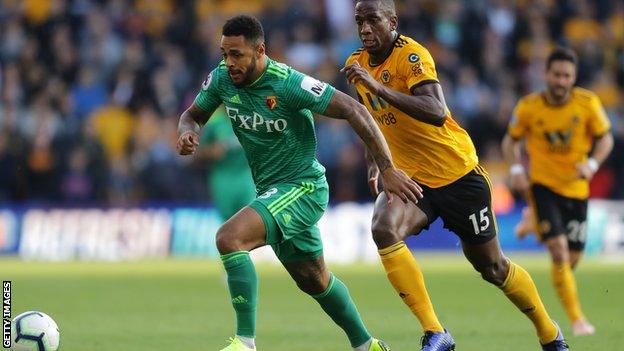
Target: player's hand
x=585, y=170
x=520, y=183
x=357, y=75
x=187, y=143
x=397, y=183
x=373, y=180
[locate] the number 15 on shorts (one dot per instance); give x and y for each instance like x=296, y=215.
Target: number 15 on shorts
x=480, y=221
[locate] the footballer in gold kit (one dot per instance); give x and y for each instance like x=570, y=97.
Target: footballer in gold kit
x=395, y=78
x=559, y=127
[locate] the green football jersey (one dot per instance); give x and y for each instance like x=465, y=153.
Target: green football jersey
x=219, y=130
x=272, y=119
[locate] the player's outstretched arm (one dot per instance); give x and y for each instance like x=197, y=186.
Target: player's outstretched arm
x=395, y=181
x=189, y=126
x=426, y=103
x=371, y=167
x=373, y=174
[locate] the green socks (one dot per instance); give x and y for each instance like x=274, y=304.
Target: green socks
x=337, y=303
x=243, y=285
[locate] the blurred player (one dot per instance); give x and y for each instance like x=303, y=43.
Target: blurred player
x=229, y=177
x=269, y=106
x=559, y=126
x=395, y=78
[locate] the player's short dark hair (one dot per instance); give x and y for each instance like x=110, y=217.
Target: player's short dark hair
x=245, y=25
x=387, y=6
x=561, y=54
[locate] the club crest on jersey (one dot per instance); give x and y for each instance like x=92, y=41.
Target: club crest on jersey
x=206, y=82
x=413, y=58
x=271, y=101
x=576, y=120
x=385, y=76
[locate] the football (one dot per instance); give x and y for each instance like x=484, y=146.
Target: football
x=34, y=331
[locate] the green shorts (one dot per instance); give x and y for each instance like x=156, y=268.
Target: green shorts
x=290, y=212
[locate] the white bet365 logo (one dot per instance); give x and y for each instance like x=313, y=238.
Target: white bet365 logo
x=256, y=121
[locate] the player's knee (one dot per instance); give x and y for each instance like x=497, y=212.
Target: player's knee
x=310, y=283
x=384, y=234
x=558, y=251
x=558, y=256
x=227, y=241
x=574, y=260
x=494, y=272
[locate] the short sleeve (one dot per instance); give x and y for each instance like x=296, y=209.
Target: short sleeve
x=598, y=121
x=304, y=92
x=519, y=124
x=417, y=66
x=208, y=97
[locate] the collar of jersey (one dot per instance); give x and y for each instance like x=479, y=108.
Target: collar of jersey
x=548, y=104
x=266, y=67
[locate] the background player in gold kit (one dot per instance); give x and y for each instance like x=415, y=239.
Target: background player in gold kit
x=396, y=80
x=559, y=126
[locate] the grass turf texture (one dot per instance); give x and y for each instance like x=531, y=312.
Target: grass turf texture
x=183, y=305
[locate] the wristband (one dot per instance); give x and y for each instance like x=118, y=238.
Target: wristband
x=516, y=168
x=592, y=164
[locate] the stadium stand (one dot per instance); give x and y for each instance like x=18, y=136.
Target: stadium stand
x=92, y=90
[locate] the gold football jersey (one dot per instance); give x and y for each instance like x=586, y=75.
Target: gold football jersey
x=433, y=156
x=559, y=137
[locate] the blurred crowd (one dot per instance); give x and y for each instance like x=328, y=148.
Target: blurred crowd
x=91, y=90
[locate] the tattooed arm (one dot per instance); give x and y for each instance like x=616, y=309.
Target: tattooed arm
x=343, y=106
x=189, y=126
x=373, y=174
x=395, y=181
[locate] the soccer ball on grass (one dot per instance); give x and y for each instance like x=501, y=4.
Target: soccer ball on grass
x=34, y=331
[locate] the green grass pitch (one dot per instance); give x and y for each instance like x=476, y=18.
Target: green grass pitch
x=183, y=305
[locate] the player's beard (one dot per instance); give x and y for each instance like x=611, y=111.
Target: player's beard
x=559, y=93
x=248, y=75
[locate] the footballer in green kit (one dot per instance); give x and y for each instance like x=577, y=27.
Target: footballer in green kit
x=270, y=108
